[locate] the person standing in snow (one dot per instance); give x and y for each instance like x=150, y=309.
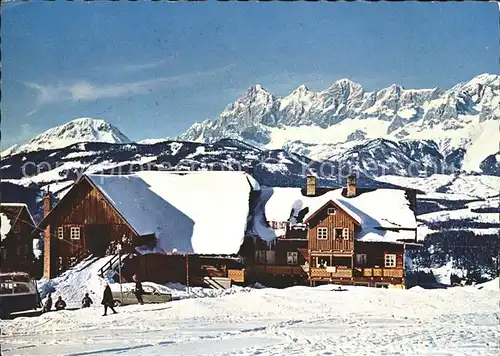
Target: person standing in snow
x=138, y=290
x=107, y=300
x=86, y=301
x=60, y=304
x=48, y=304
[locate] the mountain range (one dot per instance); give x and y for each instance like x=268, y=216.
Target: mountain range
x=459, y=125
x=393, y=131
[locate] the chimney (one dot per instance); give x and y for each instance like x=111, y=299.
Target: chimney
x=47, y=206
x=48, y=259
x=351, y=186
x=311, y=186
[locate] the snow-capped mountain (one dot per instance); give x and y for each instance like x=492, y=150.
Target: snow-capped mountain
x=75, y=131
x=461, y=122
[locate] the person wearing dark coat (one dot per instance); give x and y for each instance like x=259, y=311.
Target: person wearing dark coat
x=107, y=300
x=86, y=301
x=138, y=290
x=60, y=304
x=48, y=304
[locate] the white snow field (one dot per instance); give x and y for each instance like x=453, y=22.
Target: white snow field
x=292, y=321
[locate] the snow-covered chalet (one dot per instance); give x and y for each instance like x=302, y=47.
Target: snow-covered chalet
x=157, y=218
x=316, y=235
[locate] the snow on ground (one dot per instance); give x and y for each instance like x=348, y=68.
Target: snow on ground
x=463, y=186
x=427, y=184
x=84, y=278
x=292, y=321
x=461, y=214
x=179, y=291
x=75, y=282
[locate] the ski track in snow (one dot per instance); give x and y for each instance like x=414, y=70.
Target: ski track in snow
x=292, y=321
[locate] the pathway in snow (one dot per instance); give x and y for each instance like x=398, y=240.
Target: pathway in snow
x=293, y=321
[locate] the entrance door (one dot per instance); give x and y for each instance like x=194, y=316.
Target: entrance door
x=98, y=238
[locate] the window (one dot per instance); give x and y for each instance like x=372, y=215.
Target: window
x=331, y=211
x=322, y=262
x=339, y=232
x=263, y=256
x=17, y=228
x=292, y=258
x=345, y=234
x=322, y=233
x=75, y=233
x=59, y=264
x=60, y=233
x=260, y=256
x=361, y=259
x=390, y=260
x=72, y=261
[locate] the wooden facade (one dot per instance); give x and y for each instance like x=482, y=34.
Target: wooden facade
x=16, y=250
x=184, y=269
x=330, y=253
x=336, y=256
x=279, y=263
x=83, y=223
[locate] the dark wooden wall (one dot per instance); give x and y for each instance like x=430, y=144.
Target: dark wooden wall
x=375, y=253
x=160, y=268
x=17, y=248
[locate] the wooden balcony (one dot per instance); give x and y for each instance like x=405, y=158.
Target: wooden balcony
x=283, y=270
x=236, y=275
x=330, y=273
x=383, y=272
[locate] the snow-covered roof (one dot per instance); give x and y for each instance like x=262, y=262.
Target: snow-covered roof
x=4, y=226
x=373, y=210
x=194, y=212
x=19, y=207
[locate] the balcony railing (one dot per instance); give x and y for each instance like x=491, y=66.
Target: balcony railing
x=383, y=272
x=284, y=270
x=330, y=273
x=236, y=275
x=333, y=272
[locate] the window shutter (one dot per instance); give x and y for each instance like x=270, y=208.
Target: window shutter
x=345, y=234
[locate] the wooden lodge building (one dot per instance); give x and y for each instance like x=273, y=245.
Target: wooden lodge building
x=195, y=227
x=354, y=236
x=16, y=248
x=165, y=222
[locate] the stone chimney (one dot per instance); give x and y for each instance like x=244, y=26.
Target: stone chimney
x=351, y=186
x=311, y=186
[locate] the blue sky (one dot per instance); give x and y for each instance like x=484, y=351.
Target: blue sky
x=154, y=68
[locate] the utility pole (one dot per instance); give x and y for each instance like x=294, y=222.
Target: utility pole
x=119, y=249
x=187, y=274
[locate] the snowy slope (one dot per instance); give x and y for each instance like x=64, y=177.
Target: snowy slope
x=78, y=130
x=293, y=321
x=327, y=123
